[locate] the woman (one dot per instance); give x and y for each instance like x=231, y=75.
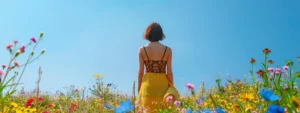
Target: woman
x=157, y=83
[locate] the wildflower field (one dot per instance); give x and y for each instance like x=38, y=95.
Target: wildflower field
x=272, y=89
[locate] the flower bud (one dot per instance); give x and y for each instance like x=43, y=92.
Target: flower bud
x=43, y=51
x=17, y=53
x=32, y=52
x=41, y=34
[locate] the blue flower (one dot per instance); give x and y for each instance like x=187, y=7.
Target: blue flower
x=107, y=106
x=219, y=110
x=268, y=95
x=124, y=107
x=197, y=101
x=275, y=109
x=206, y=111
x=189, y=110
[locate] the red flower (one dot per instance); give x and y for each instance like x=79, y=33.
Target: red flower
x=50, y=105
x=29, y=102
x=252, y=60
x=73, y=107
x=260, y=73
x=267, y=50
x=22, y=49
x=45, y=112
x=40, y=99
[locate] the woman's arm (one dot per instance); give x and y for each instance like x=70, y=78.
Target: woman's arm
x=141, y=69
x=169, y=67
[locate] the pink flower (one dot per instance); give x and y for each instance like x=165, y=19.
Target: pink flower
x=8, y=46
x=169, y=98
x=22, y=49
x=9, y=68
x=177, y=103
x=1, y=73
x=17, y=63
x=15, y=42
x=3, y=66
x=286, y=67
x=145, y=111
x=33, y=39
x=183, y=110
x=278, y=71
x=189, y=86
x=271, y=69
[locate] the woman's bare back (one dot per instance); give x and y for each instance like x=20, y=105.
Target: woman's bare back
x=156, y=51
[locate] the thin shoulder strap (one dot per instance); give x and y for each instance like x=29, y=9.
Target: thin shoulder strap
x=146, y=53
x=164, y=53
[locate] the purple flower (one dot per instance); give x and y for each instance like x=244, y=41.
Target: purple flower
x=177, y=103
x=295, y=87
x=33, y=39
x=189, y=86
x=15, y=42
x=286, y=67
x=278, y=71
x=271, y=69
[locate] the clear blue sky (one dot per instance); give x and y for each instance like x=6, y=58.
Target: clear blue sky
x=96, y=36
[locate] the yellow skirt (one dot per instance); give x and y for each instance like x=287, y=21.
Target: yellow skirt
x=155, y=88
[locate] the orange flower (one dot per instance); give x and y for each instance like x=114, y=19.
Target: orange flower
x=236, y=107
x=296, y=102
x=266, y=51
x=252, y=60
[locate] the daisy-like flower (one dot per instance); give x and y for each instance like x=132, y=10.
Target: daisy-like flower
x=252, y=60
x=14, y=105
x=266, y=50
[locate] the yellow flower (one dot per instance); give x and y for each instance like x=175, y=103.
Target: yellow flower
x=249, y=107
x=13, y=104
x=97, y=76
x=247, y=97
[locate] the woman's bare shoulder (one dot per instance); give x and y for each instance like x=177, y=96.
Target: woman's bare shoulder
x=169, y=49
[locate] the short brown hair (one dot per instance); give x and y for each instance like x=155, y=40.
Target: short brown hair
x=154, y=32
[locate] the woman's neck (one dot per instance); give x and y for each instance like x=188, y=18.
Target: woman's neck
x=154, y=43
